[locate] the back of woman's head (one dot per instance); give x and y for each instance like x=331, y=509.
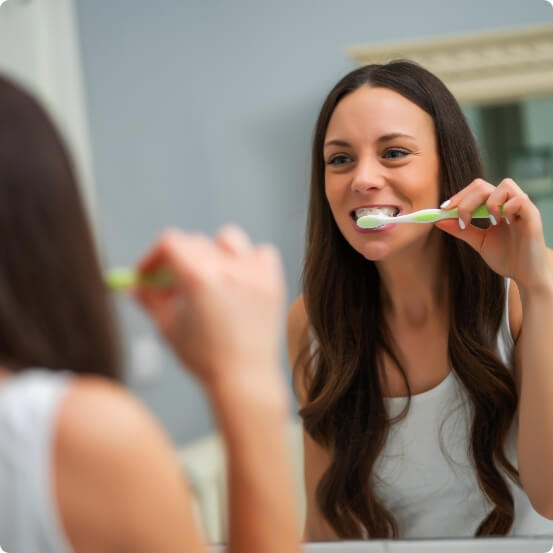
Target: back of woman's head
x=54, y=308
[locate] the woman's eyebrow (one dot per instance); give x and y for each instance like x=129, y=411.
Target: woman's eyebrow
x=337, y=142
x=383, y=138
x=392, y=136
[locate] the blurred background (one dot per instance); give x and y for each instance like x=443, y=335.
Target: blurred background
x=195, y=113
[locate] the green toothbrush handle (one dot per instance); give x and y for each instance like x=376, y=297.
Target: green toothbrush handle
x=480, y=212
x=122, y=279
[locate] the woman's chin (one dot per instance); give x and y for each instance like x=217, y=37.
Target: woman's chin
x=374, y=252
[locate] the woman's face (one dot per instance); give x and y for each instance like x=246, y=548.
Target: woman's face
x=380, y=152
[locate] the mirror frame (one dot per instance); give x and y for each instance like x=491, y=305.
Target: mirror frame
x=485, y=67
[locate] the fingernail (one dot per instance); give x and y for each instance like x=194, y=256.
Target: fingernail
x=445, y=204
x=462, y=225
x=507, y=220
x=493, y=220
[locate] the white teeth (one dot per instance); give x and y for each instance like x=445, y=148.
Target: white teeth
x=383, y=210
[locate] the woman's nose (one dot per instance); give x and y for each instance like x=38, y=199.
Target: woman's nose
x=368, y=174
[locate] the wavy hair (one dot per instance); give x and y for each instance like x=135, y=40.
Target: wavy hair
x=344, y=411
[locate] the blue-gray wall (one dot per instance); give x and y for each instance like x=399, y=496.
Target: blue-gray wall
x=201, y=112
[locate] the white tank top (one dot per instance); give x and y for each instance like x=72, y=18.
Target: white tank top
x=425, y=475
x=29, y=519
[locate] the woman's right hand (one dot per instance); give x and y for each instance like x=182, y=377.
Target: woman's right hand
x=223, y=313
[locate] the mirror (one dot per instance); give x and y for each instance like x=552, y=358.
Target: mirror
x=515, y=139
x=201, y=113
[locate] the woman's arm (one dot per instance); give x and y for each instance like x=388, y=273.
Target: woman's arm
x=534, y=375
x=514, y=246
x=263, y=507
x=223, y=319
x=316, y=459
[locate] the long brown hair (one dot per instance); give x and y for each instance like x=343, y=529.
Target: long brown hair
x=55, y=311
x=345, y=411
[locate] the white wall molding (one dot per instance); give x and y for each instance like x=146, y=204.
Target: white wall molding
x=485, y=67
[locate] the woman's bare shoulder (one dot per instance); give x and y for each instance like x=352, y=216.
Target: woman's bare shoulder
x=298, y=340
x=296, y=323
x=97, y=411
x=108, y=448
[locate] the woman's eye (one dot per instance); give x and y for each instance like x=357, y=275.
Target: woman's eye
x=395, y=154
x=339, y=160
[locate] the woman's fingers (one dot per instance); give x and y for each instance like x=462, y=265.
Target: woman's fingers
x=468, y=199
x=471, y=235
x=516, y=203
x=180, y=254
x=507, y=194
x=233, y=240
x=163, y=252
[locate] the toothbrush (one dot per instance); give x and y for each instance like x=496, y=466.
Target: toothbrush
x=123, y=278
x=373, y=220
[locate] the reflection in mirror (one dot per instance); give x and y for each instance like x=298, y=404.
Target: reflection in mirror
x=437, y=324
x=410, y=380
x=425, y=473
x=404, y=346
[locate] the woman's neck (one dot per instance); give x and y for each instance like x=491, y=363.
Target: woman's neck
x=414, y=284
